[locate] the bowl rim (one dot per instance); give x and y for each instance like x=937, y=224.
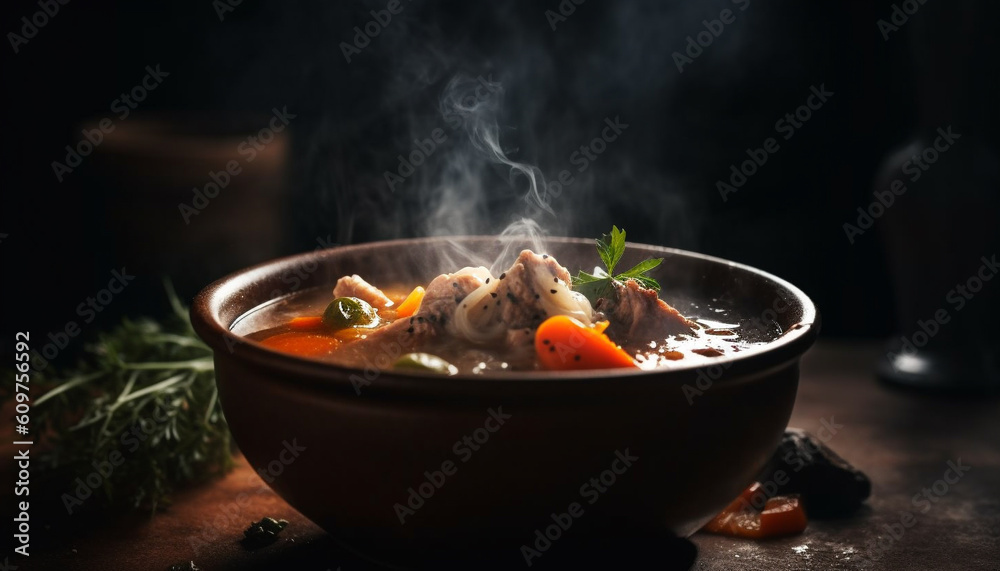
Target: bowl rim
x=207, y=304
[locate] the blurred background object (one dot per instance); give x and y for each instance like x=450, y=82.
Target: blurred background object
x=943, y=236
x=324, y=179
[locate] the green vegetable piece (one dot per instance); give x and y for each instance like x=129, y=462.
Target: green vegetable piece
x=425, y=362
x=345, y=312
x=610, y=247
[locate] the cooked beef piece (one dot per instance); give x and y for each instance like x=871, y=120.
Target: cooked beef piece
x=636, y=313
x=354, y=286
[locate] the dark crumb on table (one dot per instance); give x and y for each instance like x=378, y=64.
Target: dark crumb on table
x=263, y=532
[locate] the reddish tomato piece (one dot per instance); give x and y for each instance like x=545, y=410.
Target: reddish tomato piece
x=782, y=515
x=306, y=323
x=301, y=343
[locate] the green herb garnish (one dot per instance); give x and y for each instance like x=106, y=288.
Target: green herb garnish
x=611, y=247
x=136, y=418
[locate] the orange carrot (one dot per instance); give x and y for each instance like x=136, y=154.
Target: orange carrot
x=563, y=343
x=306, y=323
x=411, y=303
x=301, y=343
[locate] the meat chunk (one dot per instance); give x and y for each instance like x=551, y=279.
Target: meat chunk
x=523, y=290
x=637, y=313
x=441, y=297
x=354, y=286
x=534, y=288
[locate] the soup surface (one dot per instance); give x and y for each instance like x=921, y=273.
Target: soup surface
x=531, y=317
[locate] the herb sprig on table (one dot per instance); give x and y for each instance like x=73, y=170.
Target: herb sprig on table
x=610, y=247
x=141, y=404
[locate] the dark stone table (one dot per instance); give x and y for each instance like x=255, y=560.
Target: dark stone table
x=906, y=443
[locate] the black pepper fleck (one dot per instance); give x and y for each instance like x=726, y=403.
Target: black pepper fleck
x=555, y=280
x=537, y=296
x=410, y=330
x=511, y=297
x=545, y=256
x=487, y=280
x=576, y=357
x=545, y=341
x=454, y=284
x=552, y=291
x=493, y=294
x=552, y=349
x=484, y=307
x=503, y=275
x=498, y=303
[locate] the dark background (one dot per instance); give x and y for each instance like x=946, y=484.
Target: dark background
x=120, y=208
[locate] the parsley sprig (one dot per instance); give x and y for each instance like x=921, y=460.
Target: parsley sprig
x=611, y=247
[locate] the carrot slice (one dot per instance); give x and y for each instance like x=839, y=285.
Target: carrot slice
x=301, y=343
x=563, y=343
x=411, y=303
x=306, y=323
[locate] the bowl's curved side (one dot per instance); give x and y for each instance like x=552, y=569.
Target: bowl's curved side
x=389, y=475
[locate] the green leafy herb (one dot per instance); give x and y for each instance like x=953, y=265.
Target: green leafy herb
x=142, y=405
x=611, y=247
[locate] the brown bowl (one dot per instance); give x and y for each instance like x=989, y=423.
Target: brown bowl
x=346, y=450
